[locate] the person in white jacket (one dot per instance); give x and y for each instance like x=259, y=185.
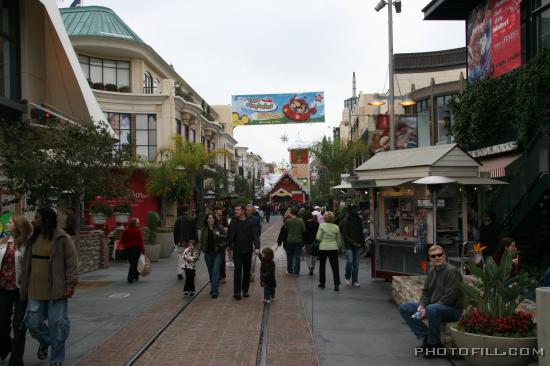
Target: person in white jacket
x=12, y=308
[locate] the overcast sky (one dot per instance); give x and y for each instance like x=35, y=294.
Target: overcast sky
x=227, y=47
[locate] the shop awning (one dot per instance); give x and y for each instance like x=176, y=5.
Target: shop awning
x=497, y=166
x=478, y=181
x=374, y=183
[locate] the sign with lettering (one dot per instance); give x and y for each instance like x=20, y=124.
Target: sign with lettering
x=265, y=109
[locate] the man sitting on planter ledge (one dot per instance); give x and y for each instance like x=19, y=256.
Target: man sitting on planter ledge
x=442, y=301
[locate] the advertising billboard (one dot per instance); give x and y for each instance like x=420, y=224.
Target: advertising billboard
x=405, y=133
x=266, y=109
x=493, y=38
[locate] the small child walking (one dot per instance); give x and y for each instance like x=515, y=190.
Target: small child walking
x=190, y=258
x=267, y=274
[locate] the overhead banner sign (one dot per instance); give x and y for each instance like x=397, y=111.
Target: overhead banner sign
x=267, y=109
x=493, y=38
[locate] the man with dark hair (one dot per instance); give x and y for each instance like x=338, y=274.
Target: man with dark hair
x=253, y=215
x=489, y=234
x=185, y=229
x=49, y=276
x=295, y=239
x=243, y=239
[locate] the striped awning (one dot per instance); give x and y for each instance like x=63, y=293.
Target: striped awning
x=496, y=167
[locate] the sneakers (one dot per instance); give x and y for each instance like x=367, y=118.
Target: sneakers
x=42, y=352
x=214, y=295
x=266, y=302
x=246, y=294
x=356, y=284
x=230, y=264
x=185, y=293
x=191, y=293
x=321, y=285
x=237, y=297
x=348, y=282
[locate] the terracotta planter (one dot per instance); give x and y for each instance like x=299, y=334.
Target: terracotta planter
x=99, y=218
x=494, y=346
x=166, y=242
x=152, y=252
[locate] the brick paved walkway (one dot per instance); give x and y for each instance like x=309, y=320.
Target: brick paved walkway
x=218, y=331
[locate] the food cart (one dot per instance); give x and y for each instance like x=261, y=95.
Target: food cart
x=403, y=211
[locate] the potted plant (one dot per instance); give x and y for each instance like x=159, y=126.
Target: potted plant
x=491, y=322
x=100, y=211
x=111, y=87
x=152, y=249
x=122, y=212
x=124, y=89
x=98, y=86
x=165, y=238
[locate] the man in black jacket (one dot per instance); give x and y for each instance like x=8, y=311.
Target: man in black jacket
x=244, y=239
x=351, y=227
x=185, y=229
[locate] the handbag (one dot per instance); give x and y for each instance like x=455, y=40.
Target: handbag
x=314, y=249
x=144, y=266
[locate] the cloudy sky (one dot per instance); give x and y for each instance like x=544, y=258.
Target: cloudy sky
x=225, y=47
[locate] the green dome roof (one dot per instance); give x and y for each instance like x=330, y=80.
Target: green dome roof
x=96, y=21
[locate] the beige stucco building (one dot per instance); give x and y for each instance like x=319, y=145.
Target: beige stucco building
x=142, y=97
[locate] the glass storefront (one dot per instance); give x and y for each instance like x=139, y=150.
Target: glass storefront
x=142, y=126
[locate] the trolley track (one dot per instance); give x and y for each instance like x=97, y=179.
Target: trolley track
x=261, y=355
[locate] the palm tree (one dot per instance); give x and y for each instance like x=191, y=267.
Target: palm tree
x=176, y=168
x=336, y=157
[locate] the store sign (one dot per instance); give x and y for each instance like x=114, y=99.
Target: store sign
x=427, y=203
x=493, y=38
x=264, y=109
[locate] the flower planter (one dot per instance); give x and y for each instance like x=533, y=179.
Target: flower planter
x=152, y=252
x=121, y=218
x=166, y=242
x=99, y=219
x=494, y=346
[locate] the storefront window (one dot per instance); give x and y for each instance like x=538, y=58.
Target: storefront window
x=9, y=75
x=544, y=29
x=146, y=136
x=424, y=116
x=105, y=71
x=121, y=124
x=444, y=119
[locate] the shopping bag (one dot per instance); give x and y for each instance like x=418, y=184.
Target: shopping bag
x=144, y=265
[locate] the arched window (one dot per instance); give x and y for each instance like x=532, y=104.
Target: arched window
x=148, y=85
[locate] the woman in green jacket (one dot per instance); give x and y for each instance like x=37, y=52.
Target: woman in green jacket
x=211, y=246
x=330, y=243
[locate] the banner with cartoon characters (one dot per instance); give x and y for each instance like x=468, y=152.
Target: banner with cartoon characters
x=4, y=219
x=266, y=109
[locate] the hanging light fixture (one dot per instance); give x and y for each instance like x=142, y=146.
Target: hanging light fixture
x=407, y=102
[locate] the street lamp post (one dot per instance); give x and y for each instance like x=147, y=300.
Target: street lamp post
x=391, y=105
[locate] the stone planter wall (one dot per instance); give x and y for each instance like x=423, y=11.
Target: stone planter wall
x=93, y=251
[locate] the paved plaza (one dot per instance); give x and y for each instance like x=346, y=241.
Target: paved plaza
x=112, y=320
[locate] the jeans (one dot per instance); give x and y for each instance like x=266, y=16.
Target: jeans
x=332, y=256
x=269, y=293
x=56, y=331
x=133, y=254
x=189, y=285
x=213, y=261
x=293, y=253
x=241, y=279
x=435, y=313
x=352, y=265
